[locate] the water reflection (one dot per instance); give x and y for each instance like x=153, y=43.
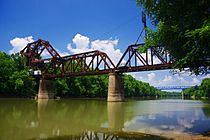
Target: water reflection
x=28, y=119
x=115, y=115
x=206, y=110
x=93, y=135
x=170, y=116
x=70, y=116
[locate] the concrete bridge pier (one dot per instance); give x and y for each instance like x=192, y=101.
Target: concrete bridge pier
x=46, y=89
x=115, y=88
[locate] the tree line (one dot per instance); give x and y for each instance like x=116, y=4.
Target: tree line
x=16, y=80
x=199, y=91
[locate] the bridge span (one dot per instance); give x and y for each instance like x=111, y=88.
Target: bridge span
x=92, y=63
x=173, y=87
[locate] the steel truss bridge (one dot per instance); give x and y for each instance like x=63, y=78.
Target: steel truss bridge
x=93, y=62
x=173, y=87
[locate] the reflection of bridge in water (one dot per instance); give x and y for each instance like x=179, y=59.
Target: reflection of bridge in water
x=29, y=119
x=106, y=135
x=92, y=63
x=70, y=129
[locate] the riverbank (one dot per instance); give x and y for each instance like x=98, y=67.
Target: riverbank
x=6, y=96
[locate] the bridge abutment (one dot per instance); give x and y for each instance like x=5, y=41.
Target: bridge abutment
x=115, y=88
x=46, y=89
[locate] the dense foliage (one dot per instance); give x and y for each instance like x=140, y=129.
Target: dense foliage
x=199, y=91
x=135, y=88
x=183, y=30
x=85, y=86
x=97, y=86
x=15, y=79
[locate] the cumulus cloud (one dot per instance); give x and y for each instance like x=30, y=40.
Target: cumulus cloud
x=195, y=81
x=83, y=43
x=108, y=46
x=173, y=80
x=207, y=76
x=151, y=77
x=19, y=43
x=158, y=78
x=168, y=80
x=155, y=59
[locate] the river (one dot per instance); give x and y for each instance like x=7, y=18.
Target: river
x=97, y=119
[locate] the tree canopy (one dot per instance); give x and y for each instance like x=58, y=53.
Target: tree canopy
x=15, y=79
x=199, y=91
x=183, y=30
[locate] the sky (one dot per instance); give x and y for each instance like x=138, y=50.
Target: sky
x=74, y=26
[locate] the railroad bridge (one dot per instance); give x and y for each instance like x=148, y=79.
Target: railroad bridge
x=92, y=63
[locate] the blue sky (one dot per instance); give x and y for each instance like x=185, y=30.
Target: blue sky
x=74, y=26
x=59, y=21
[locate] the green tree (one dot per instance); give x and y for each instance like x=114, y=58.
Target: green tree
x=15, y=79
x=61, y=87
x=199, y=91
x=88, y=86
x=205, y=87
x=23, y=83
x=7, y=67
x=135, y=88
x=183, y=30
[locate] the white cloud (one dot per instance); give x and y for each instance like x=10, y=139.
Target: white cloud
x=195, y=81
x=81, y=41
x=207, y=76
x=181, y=80
x=155, y=58
x=83, y=44
x=166, y=78
x=151, y=77
x=19, y=43
x=107, y=46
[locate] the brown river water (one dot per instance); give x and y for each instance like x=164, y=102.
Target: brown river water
x=22, y=119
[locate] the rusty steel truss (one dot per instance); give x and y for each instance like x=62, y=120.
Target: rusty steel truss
x=93, y=62
x=135, y=59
